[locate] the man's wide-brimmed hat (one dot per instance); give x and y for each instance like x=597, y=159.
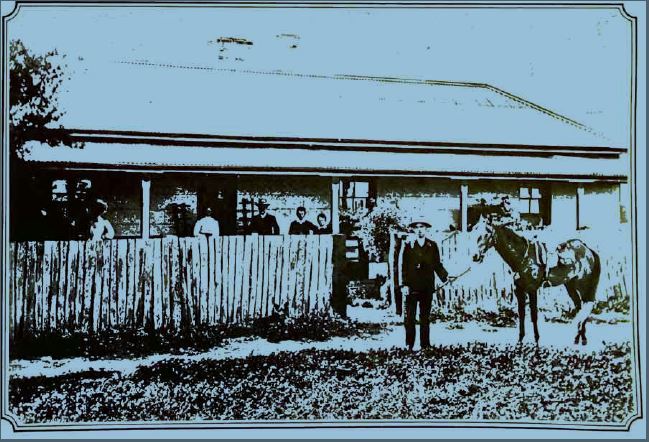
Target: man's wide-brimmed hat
x=263, y=203
x=419, y=222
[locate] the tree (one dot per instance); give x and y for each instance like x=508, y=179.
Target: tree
x=34, y=82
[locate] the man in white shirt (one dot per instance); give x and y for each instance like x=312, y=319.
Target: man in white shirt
x=207, y=226
x=101, y=228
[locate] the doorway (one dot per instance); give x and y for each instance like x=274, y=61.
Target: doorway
x=220, y=194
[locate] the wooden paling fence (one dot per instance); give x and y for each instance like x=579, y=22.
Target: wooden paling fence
x=490, y=284
x=165, y=283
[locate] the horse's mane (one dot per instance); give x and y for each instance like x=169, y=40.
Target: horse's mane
x=491, y=211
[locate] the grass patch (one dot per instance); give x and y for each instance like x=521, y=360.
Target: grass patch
x=477, y=381
x=129, y=343
x=504, y=317
x=612, y=311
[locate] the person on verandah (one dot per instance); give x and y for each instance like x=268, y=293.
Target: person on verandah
x=420, y=262
x=323, y=227
x=301, y=226
x=101, y=228
x=264, y=223
x=207, y=226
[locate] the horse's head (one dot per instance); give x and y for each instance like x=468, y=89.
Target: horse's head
x=485, y=231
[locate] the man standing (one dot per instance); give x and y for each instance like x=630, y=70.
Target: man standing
x=264, y=223
x=207, y=226
x=301, y=226
x=80, y=210
x=420, y=261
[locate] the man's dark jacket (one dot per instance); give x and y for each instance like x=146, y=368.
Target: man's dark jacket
x=266, y=225
x=301, y=228
x=419, y=263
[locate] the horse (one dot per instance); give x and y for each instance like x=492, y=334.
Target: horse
x=578, y=269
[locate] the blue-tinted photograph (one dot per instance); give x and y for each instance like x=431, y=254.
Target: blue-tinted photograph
x=320, y=215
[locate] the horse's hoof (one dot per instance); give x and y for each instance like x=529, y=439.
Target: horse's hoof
x=584, y=341
x=577, y=340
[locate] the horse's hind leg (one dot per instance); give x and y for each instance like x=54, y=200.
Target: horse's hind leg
x=534, y=311
x=520, y=296
x=576, y=299
x=584, y=315
x=574, y=296
x=590, y=292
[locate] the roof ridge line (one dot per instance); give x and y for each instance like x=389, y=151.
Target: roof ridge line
x=387, y=79
x=534, y=106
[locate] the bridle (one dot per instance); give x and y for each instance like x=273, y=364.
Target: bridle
x=485, y=241
x=489, y=242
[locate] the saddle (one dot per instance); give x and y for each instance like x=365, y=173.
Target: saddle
x=565, y=265
x=545, y=259
x=541, y=253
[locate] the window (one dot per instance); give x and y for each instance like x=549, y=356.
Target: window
x=530, y=200
x=354, y=194
x=247, y=208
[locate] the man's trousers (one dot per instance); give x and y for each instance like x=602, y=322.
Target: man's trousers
x=424, y=299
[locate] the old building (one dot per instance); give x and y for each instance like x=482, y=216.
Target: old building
x=226, y=139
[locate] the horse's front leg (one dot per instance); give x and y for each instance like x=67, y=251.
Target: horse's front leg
x=534, y=312
x=520, y=297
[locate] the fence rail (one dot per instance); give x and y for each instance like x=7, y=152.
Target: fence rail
x=490, y=284
x=165, y=283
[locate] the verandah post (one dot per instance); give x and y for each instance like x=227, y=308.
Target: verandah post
x=335, y=206
x=464, y=204
x=146, y=203
x=340, y=276
x=578, y=205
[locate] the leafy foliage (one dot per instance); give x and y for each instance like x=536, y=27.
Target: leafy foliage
x=476, y=381
x=373, y=228
x=616, y=304
x=503, y=318
x=128, y=343
x=34, y=83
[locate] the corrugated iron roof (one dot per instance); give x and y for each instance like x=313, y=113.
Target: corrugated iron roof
x=167, y=98
x=276, y=159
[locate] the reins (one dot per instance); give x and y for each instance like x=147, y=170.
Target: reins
x=456, y=278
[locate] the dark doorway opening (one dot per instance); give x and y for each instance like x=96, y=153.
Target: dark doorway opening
x=220, y=194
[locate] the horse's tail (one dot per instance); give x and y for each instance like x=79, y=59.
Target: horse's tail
x=593, y=278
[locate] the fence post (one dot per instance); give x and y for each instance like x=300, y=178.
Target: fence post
x=340, y=276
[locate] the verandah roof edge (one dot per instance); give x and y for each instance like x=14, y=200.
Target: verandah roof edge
x=53, y=165
x=423, y=146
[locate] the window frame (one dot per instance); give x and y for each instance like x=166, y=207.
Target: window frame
x=363, y=199
x=528, y=199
